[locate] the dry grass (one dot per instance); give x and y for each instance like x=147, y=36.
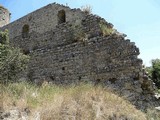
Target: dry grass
x=84, y=102
x=87, y=9
x=106, y=31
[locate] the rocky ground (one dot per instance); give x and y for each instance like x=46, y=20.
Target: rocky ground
x=16, y=114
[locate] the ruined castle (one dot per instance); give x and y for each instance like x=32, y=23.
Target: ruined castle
x=70, y=46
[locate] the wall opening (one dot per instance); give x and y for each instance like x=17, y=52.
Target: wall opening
x=26, y=51
x=112, y=80
x=63, y=68
x=97, y=81
x=52, y=78
x=61, y=16
x=25, y=31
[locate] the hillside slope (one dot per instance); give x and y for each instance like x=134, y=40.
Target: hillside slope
x=84, y=102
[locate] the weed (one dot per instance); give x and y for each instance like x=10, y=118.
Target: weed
x=106, y=31
x=87, y=9
x=69, y=102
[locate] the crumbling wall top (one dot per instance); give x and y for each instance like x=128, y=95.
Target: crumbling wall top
x=4, y=16
x=44, y=19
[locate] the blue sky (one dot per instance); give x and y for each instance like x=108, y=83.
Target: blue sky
x=139, y=19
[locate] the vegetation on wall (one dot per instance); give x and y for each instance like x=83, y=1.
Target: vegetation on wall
x=12, y=61
x=78, y=33
x=105, y=29
x=87, y=9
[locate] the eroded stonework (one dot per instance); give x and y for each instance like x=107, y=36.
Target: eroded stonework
x=68, y=46
x=4, y=16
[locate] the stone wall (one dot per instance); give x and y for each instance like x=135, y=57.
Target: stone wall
x=77, y=51
x=4, y=16
x=43, y=19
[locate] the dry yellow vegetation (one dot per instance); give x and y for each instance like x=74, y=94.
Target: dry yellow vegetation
x=83, y=102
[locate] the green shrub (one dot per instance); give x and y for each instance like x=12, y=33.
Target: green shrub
x=12, y=61
x=4, y=38
x=154, y=72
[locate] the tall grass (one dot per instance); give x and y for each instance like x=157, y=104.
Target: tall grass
x=83, y=102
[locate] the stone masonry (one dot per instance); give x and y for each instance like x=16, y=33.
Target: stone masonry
x=68, y=46
x=4, y=16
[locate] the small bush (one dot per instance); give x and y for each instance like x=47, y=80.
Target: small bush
x=87, y=9
x=106, y=31
x=78, y=33
x=154, y=72
x=12, y=61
